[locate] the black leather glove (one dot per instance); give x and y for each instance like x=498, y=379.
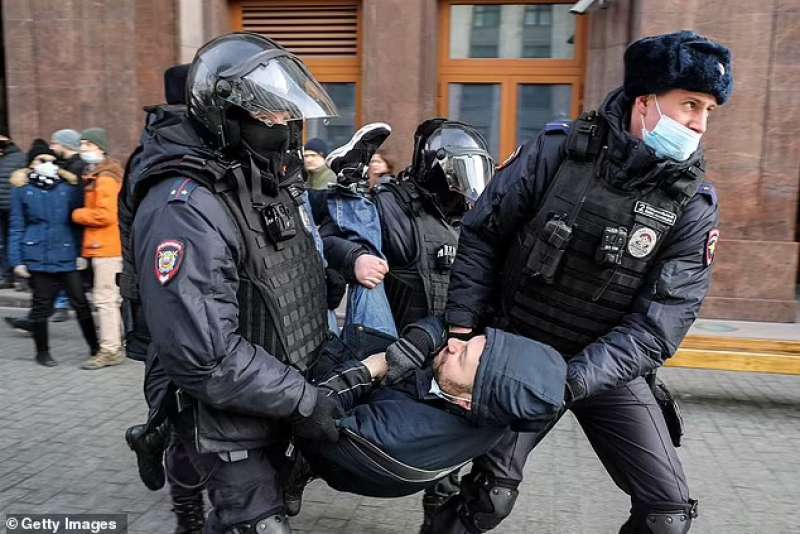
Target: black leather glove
x=419, y=341
x=321, y=424
x=336, y=286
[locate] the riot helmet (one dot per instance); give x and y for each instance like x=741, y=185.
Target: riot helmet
x=451, y=155
x=244, y=77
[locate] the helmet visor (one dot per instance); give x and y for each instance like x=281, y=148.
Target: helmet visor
x=284, y=88
x=467, y=173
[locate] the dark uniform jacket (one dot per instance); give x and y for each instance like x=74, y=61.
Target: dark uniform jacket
x=193, y=318
x=664, y=308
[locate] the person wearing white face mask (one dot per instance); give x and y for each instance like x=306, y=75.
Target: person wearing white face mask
x=102, y=181
x=597, y=238
x=44, y=246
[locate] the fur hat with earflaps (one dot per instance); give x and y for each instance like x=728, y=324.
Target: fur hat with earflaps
x=680, y=60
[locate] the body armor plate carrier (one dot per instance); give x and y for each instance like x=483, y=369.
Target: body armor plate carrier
x=281, y=295
x=419, y=289
x=575, y=269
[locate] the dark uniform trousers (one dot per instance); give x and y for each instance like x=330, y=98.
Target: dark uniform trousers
x=627, y=431
x=240, y=491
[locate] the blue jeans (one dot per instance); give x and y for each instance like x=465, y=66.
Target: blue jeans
x=358, y=220
x=62, y=301
x=312, y=227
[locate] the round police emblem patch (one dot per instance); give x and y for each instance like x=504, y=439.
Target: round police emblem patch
x=169, y=257
x=642, y=242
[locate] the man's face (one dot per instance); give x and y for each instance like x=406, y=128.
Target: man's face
x=456, y=365
x=58, y=148
x=87, y=147
x=689, y=108
x=312, y=160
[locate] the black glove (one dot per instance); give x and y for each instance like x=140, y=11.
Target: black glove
x=321, y=424
x=419, y=341
x=403, y=357
x=336, y=286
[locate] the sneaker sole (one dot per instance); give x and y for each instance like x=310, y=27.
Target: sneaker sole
x=344, y=149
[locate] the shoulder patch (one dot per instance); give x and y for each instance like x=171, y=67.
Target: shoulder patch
x=557, y=127
x=709, y=193
x=182, y=189
x=168, y=260
x=711, y=246
x=510, y=159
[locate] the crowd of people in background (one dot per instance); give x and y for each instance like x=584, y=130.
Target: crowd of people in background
x=59, y=234
x=59, y=238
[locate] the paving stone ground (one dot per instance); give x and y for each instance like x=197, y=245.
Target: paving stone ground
x=62, y=451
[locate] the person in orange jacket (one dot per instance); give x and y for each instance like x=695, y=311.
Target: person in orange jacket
x=101, y=242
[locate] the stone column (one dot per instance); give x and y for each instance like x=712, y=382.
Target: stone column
x=399, y=56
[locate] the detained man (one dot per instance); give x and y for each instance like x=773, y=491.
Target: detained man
x=409, y=422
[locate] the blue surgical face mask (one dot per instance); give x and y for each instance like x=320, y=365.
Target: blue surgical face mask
x=670, y=139
x=92, y=157
x=436, y=390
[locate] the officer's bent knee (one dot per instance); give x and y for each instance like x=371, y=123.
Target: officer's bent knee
x=491, y=502
x=272, y=524
x=662, y=520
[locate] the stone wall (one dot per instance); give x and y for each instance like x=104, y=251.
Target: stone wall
x=399, y=66
x=83, y=63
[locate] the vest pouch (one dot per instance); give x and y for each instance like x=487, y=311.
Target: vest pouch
x=279, y=222
x=445, y=257
x=548, y=249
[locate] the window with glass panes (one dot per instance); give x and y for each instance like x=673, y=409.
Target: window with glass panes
x=509, y=68
x=325, y=34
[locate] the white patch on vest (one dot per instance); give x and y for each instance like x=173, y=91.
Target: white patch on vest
x=642, y=242
x=305, y=218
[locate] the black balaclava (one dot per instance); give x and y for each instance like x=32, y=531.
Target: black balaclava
x=452, y=204
x=265, y=145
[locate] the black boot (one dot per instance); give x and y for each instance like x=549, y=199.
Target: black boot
x=19, y=324
x=44, y=358
x=299, y=476
x=39, y=331
x=435, y=497
x=149, y=448
x=90, y=335
x=189, y=511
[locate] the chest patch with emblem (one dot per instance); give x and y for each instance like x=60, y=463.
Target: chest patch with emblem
x=169, y=257
x=657, y=214
x=642, y=242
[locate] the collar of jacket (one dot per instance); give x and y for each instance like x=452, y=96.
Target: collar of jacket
x=107, y=167
x=629, y=163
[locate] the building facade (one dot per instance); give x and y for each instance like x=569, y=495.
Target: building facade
x=506, y=66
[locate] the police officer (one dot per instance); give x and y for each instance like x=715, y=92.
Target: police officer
x=231, y=285
x=419, y=216
x=598, y=241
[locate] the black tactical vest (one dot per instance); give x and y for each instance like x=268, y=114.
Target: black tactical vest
x=420, y=288
x=281, y=296
x=575, y=269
